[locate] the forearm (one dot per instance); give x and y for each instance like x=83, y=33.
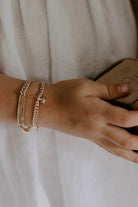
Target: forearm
x=9, y=90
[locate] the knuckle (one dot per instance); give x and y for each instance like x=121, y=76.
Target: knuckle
x=94, y=113
x=80, y=87
x=84, y=83
x=108, y=91
x=124, y=119
x=127, y=143
x=96, y=117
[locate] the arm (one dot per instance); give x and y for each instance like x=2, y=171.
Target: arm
x=77, y=107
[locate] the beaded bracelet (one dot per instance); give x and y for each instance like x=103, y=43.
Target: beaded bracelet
x=21, y=104
x=36, y=107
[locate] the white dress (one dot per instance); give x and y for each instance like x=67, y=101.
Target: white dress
x=54, y=40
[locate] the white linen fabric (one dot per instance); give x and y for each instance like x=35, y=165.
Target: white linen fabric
x=54, y=40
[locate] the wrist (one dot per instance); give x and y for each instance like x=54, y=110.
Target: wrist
x=30, y=102
x=10, y=88
x=44, y=110
x=46, y=114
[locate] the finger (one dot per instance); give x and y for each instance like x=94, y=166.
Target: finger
x=114, y=149
x=120, y=116
x=111, y=90
x=121, y=137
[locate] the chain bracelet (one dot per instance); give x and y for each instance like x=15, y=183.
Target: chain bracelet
x=36, y=107
x=21, y=104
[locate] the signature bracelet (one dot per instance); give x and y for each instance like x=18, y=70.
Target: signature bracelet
x=36, y=107
x=21, y=104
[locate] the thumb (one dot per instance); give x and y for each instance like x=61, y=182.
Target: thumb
x=113, y=90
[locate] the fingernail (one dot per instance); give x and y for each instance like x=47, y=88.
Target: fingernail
x=123, y=88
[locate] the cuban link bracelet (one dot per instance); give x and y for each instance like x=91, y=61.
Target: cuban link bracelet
x=21, y=104
x=36, y=107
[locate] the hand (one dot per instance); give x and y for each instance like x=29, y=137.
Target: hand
x=78, y=107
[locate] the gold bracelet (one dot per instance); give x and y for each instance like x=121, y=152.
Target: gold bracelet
x=21, y=104
x=36, y=107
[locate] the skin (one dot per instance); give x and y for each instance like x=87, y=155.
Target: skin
x=77, y=107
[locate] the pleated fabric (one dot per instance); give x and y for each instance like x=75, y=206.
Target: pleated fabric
x=54, y=40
